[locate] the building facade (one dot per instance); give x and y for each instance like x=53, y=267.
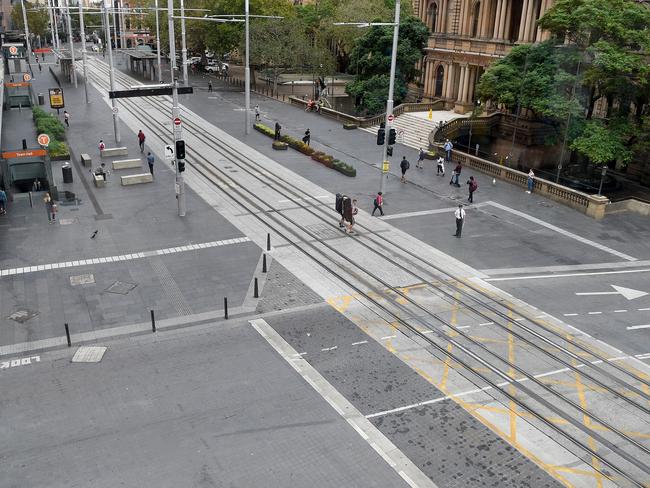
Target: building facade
x=466, y=37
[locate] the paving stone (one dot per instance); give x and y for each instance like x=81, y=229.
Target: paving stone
x=283, y=290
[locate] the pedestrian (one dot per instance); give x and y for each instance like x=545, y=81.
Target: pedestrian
x=354, y=209
x=257, y=113
x=456, y=175
x=36, y=186
x=3, y=202
x=150, y=161
x=404, y=165
x=40, y=67
x=278, y=128
x=448, y=147
x=209, y=86
x=307, y=137
x=66, y=118
x=460, y=220
x=473, y=186
x=141, y=138
x=43, y=56
x=441, y=166
x=420, y=159
x=379, y=204
x=101, y=146
x=48, y=206
x=531, y=181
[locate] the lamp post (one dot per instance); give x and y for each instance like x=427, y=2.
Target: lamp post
x=116, y=128
x=568, y=124
x=158, y=44
x=29, y=44
x=603, y=173
x=477, y=104
x=177, y=130
x=247, y=73
x=83, y=48
x=183, y=43
x=67, y=14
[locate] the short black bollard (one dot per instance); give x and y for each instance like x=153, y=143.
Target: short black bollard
x=31, y=200
x=153, y=322
x=264, y=263
x=225, y=308
x=268, y=242
x=67, y=335
x=255, y=290
x=24, y=144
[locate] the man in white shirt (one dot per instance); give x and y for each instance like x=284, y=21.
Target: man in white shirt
x=448, y=147
x=460, y=219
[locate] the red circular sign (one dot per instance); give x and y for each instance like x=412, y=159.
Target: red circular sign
x=391, y=117
x=44, y=139
x=177, y=121
x=27, y=77
x=13, y=50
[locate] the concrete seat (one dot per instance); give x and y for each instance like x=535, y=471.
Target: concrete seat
x=100, y=182
x=86, y=160
x=127, y=163
x=114, y=151
x=136, y=179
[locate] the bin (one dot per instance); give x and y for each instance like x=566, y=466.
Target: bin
x=41, y=99
x=67, y=173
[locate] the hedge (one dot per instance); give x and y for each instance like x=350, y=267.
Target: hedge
x=47, y=123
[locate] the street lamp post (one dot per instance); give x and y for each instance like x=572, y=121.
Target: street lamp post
x=83, y=48
x=183, y=43
x=29, y=44
x=158, y=44
x=67, y=14
x=247, y=72
x=603, y=173
x=177, y=130
x=116, y=128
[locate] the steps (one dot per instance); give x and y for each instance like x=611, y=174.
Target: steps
x=416, y=127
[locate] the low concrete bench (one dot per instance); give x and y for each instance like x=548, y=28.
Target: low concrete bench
x=127, y=163
x=86, y=160
x=136, y=179
x=100, y=182
x=114, y=151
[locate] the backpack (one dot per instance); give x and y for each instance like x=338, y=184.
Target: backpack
x=338, y=206
x=473, y=185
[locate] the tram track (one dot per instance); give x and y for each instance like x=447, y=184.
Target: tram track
x=277, y=221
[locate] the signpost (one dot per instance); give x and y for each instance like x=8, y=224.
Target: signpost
x=169, y=153
x=44, y=140
x=56, y=98
x=177, y=121
x=27, y=77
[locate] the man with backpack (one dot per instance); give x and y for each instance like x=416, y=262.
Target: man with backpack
x=473, y=186
x=456, y=175
x=404, y=166
x=420, y=159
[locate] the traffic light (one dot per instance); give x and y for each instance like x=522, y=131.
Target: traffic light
x=381, y=136
x=181, y=166
x=180, y=149
x=389, y=151
x=392, y=134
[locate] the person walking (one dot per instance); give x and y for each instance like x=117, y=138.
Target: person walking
x=40, y=67
x=441, y=166
x=378, y=204
x=3, y=202
x=66, y=118
x=448, y=147
x=141, y=138
x=473, y=186
x=101, y=146
x=354, y=210
x=531, y=181
x=150, y=161
x=209, y=86
x=456, y=175
x=48, y=206
x=278, y=129
x=460, y=220
x=307, y=137
x=257, y=113
x=420, y=159
x=404, y=166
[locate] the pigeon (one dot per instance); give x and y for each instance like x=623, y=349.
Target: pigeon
x=94, y=234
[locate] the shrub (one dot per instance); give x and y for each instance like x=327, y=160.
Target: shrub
x=47, y=123
x=264, y=129
x=344, y=168
x=58, y=149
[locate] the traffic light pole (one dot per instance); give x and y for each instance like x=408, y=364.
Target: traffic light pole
x=83, y=48
x=107, y=24
x=389, y=102
x=67, y=14
x=177, y=130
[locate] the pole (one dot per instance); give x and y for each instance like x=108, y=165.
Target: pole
x=29, y=44
x=602, y=179
x=177, y=131
x=389, y=102
x=67, y=14
x=56, y=26
x=183, y=44
x=83, y=48
x=114, y=21
x=122, y=15
x=49, y=11
x=247, y=73
x=158, y=44
x=116, y=128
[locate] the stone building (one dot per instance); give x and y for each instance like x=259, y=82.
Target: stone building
x=466, y=36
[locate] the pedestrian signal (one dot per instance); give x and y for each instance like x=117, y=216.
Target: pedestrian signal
x=180, y=149
x=389, y=151
x=381, y=136
x=181, y=166
x=392, y=136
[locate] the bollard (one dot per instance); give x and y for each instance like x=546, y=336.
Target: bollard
x=67, y=335
x=264, y=263
x=255, y=290
x=153, y=322
x=24, y=144
x=31, y=200
x=225, y=308
x=268, y=242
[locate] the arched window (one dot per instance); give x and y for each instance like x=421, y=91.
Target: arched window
x=440, y=78
x=477, y=11
x=432, y=15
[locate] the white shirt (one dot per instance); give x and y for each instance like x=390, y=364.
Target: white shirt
x=460, y=213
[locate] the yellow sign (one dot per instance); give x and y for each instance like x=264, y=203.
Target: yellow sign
x=385, y=167
x=430, y=114
x=56, y=98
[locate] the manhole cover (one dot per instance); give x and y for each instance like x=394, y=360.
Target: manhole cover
x=89, y=354
x=121, y=287
x=84, y=279
x=22, y=316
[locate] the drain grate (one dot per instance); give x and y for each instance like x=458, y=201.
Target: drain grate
x=84, y=279
x=89, y=354
x=121, y=288
x=23, y=315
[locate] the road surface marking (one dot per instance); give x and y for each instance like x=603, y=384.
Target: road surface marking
x=594, y=313
x=395, y=458
x=12, y=363
x=643, y=309
x=568, y=275
x=619, y=311
x=333, y=348
x=388, y=337
x=565, y=268
x=359, y=343
x=487, y=323
x=634, y=327
x=420, y=213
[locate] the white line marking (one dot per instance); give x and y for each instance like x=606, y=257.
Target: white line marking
x=594, y=313
x=427, y=332
x=541, y=316
x=619, y=311
x=643, y=309
x=487, y=323
x=429, y=212
x=388, y=337
x=333, y=348
x=634, y=327
x=359, y=343
x=569, y=314
x=643, y=356
x=568, y=275
x=463, y=327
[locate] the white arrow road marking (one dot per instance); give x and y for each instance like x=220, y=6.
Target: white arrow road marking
x=628, y=293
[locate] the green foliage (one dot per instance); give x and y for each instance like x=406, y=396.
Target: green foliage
x=47, y=123
x=602, y=145
x=37, y=20
x=58, y=149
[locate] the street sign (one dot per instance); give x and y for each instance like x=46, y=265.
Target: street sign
x=177, y=121
x=169, y=153
x=628, y=293
x=27, y=77
x=56, y=98
x=115, y=110
x=44, y=140
x=391, y=117
x=385, y=167
x=13, y=50
x=29, y=153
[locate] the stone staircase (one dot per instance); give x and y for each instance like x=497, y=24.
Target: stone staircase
x=416, y=130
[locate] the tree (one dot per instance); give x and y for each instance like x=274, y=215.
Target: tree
x=37, y=20
x=371, y=59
